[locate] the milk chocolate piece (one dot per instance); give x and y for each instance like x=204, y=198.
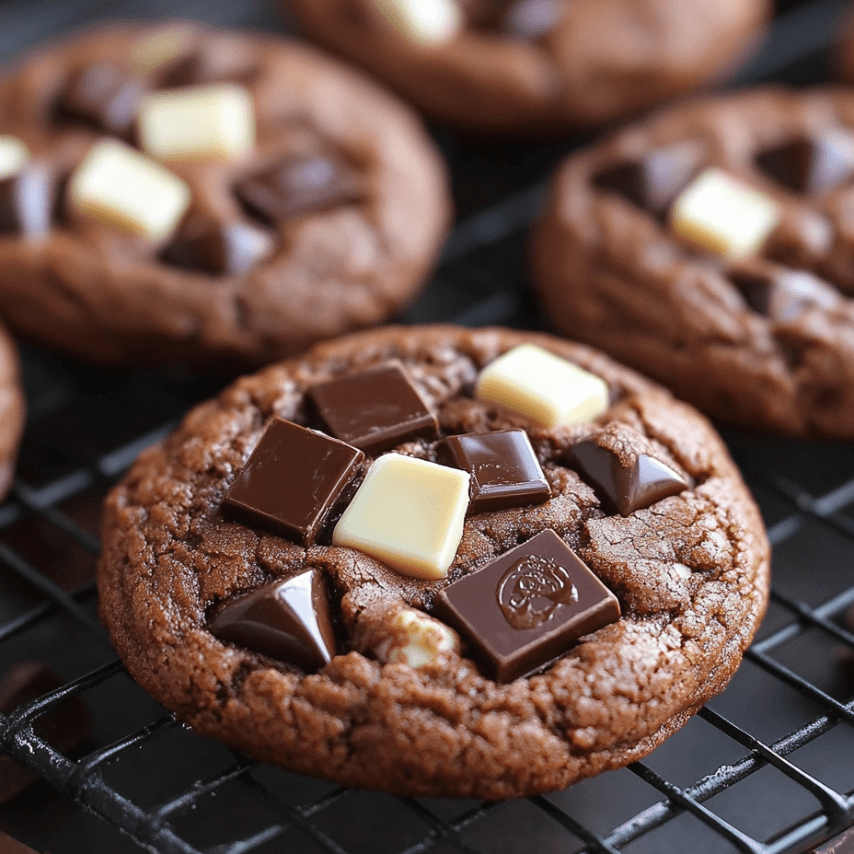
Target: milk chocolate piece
x=504, y=470
x=292, y=481
x=812, y=164
x=784, y=294
x=289, y=620
x=373, y=410
x=654, y=181
x=26, y=201
x=299, y=186
x=105, y=95
x=220, y=249
x=527, y=607
x=625, y=488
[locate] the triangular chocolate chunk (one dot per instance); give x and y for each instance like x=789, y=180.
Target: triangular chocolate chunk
x=219, y=249
x=289, y=620
x=811, y=164
x=625, y=488
x=782, y=295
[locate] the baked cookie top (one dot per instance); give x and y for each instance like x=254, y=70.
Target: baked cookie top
x=710, y=247
x=362, y=585
x=535, y=67
x=177, y=192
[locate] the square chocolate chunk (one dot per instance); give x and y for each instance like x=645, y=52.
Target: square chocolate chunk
x=527, y=607
x=504, y=470
x=292, y=481
x=373, y=410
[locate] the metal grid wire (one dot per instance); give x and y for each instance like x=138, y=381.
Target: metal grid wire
x=767, y=767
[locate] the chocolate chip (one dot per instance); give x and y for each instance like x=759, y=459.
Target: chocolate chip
x=219, y=248
x=811, y=164
x=299, y=186
x=626, y=488
x=784, y=294
x=292, y=481
x=289, y=620
x=527, y=607
x=27, y=201
x=504, y=471
x=105, y=95
x=373, y=410
x=654, y=181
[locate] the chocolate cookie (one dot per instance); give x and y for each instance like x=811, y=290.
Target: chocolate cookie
x=710, y=247
x=11, y=410
x=535, y=67
x=175, y=192
x=436, y=561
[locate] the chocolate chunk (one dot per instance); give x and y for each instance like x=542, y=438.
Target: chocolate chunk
x=289, y=620
x=784, y=294
x=531, y=19
x=654, y=181
x=527, y=607
x=105, y=95
x=625, y=488
x=373, y=410
x=219, y=248
x=299, y=186
x=811, y=164
x=292, y=481
x=504, y=469
x=26, y=201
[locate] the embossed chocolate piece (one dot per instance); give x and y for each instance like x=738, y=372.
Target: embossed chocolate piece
x=527, y=607
x=416, y=640
x=220, y=249
x=105, y=95
x=26, y=201
x=784, y=294
x=625, y=488
x=543, y=387
x=812, y=164
x=299, y=186
x=289, y=620
x=655, y=180
x=429, y=22
x=409, y=514
x=504, y=470
x=373, y=410
x=292, y=481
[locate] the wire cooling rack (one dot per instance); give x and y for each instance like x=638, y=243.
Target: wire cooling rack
x=768, y=766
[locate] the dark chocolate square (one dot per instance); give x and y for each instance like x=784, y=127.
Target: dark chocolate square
x=504, y=470
x=811, y=164
x=27, y=201
x=373, y=410
x=104, y=95
x=219, y=249
x=527, y=607
x=292, y=481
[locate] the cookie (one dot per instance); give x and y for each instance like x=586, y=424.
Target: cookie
x=709, y=246
x=465, y=601
x=12, y=410
x=174, y=192
x=535, y=67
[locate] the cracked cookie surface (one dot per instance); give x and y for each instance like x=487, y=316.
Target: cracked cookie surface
x=690, y=573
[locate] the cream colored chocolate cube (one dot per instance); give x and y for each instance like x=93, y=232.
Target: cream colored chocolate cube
x=13, y=155
x=119, y=186
x=544, y=387
x=409, y=514
x=215, y=122
x=417, y=640
x=428, y=22
x=724, y=215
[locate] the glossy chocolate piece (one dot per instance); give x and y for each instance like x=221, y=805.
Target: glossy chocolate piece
x=654, y=181
x=220, y=249
x=531, y=19
x=292, y=481
x=104, y=95
x=373, y=410
x=289, y=620
x=625, y=488
x=27, y=201
x=527, y=607
x=504, y=470
x=782, y=295
x=811, y=164
x=299, y=186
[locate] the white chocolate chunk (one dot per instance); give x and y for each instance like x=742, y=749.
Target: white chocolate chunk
x=13, y=155
x=428, y=22
x=215, y=122
x=724, y=215
x=417, y=639
x=409, y=514
x=122, y=187
x=546, y=388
